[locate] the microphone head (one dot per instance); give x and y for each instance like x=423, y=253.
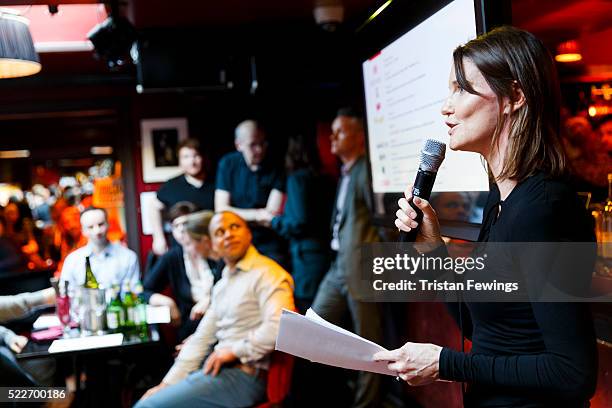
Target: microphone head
x=432, y=155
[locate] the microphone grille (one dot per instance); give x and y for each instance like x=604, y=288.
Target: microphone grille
x=432, y=155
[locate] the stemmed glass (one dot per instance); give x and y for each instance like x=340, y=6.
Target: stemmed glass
x=62, y=304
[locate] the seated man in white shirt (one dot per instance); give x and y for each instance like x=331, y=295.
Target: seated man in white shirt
x=242, y=320
x=110, y=262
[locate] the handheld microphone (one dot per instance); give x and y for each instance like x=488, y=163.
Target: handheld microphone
x=432, y=156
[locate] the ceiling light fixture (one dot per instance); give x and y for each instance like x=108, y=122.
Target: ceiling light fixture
x=101, y=150
x=18, y=58
x=599, y=110
x=568, y=51
x=14, y=154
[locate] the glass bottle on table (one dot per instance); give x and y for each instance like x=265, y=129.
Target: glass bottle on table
x=140, y=311
x=115, y=315
x=90, y=279
x=128, y=307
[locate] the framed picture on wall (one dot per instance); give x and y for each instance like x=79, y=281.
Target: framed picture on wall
x=160, y=137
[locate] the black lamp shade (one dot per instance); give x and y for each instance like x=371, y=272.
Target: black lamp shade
x=18, y=57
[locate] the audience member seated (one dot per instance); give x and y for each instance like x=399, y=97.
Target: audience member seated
x=39, y=201
x=52, y=234
x=110, y=262
x=186, y=268
x=249, y=185
x=310, y=197
x=72, y=235
x=190, y=186
x=588, y=158
x=605, y=132
x=20, y=230
x=205, y=266
x=243, y=321
x=28, y=373
x=11, y=258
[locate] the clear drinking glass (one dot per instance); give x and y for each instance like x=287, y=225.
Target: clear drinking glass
x=62, y=304
x=75, y=305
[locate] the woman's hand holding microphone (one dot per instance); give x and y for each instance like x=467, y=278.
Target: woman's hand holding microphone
x=416, y=363
x=429, y=228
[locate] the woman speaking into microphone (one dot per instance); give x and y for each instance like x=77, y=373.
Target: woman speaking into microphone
x=504, y=103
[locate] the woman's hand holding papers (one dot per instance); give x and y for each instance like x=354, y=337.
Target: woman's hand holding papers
x=415, y=363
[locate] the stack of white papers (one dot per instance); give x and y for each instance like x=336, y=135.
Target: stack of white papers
x=315, y=339
x=45, y=321
x=86, y=343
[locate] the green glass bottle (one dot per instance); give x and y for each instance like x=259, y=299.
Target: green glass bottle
x=128, y=307
x=90, y=279
x=140, y=311
x=115, y=315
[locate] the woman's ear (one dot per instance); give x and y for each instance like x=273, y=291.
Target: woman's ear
x=518, y=97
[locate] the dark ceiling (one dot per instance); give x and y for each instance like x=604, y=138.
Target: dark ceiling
x=552, y=20
x=161, y=13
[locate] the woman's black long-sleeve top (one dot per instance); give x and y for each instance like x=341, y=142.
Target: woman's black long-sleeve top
x=528, y=354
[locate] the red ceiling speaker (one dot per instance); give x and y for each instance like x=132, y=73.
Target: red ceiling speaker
x=568, y=51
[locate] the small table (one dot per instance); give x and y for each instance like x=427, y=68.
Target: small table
x=92, y=356
x=41, y=349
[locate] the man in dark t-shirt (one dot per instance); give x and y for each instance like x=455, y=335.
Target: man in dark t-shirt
x=190, y=186
x=179, y=189
x=249, y=185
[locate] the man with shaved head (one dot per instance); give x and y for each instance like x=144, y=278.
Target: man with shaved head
x=251, y=186
x=242, y=320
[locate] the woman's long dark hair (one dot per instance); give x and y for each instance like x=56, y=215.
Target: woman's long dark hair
x=508, y=57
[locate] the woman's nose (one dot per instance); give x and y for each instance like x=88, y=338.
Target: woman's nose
x=447, y=107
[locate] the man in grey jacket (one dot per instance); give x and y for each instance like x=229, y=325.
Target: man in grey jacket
x=351, y=228
x=243, y=320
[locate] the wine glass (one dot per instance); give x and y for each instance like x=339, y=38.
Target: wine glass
x=75, y=305
x=62, y=304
